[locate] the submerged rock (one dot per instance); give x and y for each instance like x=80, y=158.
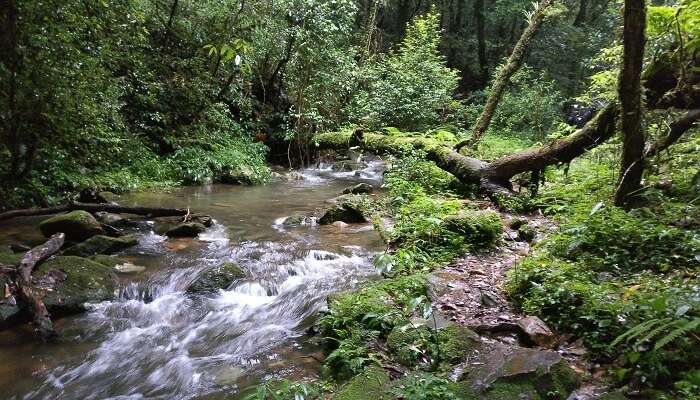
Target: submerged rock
x=188, y=229
x=71, y=281
x=217, y=278
x=77, y=225
x=360, y=188
x=101, y=244
x=118, y=265
x=128, y=268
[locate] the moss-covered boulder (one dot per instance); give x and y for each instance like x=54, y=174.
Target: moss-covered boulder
x=365, y=386
x=482, y=227
x=347, y=208
x=188, y=229
x=101, y=244
x=217, y=278
x=78, y=225
x=73, y=281
x=501, y=373
x=360, y=188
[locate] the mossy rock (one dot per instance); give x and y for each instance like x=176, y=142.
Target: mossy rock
x=240, y=175
x=73, y=282
x=217, y=278
x=77, y=225
x=360, y=188
x=349, y=209
x=502, y=371
x=118, y=265
x=369, y=385
x=110, y=218
x=481, y=227
x=101, y=244
x=188, y=229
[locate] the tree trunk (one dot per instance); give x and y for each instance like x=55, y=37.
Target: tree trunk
x=513, y=64
x=11, y=62
x=481, y=40
x=493, y=177
x=630, y=95
x=31, y=296
x=582, y=12
x=114, y=208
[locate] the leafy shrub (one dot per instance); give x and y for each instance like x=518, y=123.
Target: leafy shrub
x=423, y=386
x=411, y=87
x=614, y=240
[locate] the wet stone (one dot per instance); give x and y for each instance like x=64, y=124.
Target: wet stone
x=537, y=331
x=360, y=188
x=189, y=229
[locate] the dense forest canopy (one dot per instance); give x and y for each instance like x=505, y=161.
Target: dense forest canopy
x=580, y=111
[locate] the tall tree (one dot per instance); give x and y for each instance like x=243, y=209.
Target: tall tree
x=481, y=39
x=515, y=61
x=630, y=95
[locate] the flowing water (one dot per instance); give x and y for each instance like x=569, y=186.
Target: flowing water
x=156, y=342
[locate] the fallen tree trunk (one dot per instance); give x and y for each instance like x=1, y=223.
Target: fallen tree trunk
x=90, y=207
x=493, y=177
x=29, y=294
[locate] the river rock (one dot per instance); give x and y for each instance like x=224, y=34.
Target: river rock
x=216, y=278
x=360, y=188
x=537, y=331
x=128, y=268
x=78, y=225
x=187, y=229
x=500, y=372
x=10, y=311
x=239, y=175
x=347, y=166
x=298, y=220
x=347, y=208
x=101, y=244
x=109, y=218
x=71, y=281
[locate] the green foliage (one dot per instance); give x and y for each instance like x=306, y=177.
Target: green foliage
x=530, y=108
x=284, y=390
x=411, y=87
x=423, y=386
x=356, y=319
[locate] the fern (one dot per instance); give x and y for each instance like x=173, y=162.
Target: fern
x=661, y=330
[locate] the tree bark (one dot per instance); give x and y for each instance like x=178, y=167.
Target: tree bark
x=481, y=40
x=582, y=12
x=513, y=64
x=114, y=208
x=31, y=296
x=630, y=95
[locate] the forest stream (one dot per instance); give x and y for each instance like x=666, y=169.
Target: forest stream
x=158, y=342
